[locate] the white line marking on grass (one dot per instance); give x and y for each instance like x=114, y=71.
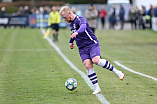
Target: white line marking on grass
x=139, y=62
x=126, y=68
x=101, y=98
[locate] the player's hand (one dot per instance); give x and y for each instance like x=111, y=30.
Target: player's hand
x=72, y=45
x=74, y=35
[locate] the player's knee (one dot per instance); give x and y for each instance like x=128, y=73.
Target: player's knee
x=95, y=60
x=88, y=66
x=88, y=63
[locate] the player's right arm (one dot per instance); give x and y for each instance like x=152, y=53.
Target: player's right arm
x=71, y=45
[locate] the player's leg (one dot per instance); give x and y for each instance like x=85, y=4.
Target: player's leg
x=54, y=35
x=54, y=32
x=95, y=55
x=106, y=64
x=92, y=75
x=90, y=70
x=57, y=29
x=102, y=20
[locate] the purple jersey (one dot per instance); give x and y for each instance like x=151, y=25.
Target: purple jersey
x=86, y=38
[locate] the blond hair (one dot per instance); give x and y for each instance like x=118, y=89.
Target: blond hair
x=65, y=9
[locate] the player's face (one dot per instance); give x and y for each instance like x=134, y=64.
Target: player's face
x=66, y=17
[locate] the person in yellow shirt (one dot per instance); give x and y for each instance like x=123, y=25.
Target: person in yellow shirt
x=53, y=22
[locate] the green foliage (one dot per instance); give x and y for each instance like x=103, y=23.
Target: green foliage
x=12, y=9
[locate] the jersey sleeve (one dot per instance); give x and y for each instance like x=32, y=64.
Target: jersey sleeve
x=71, y=40
x=82, y=20
x=82, y=25
x=82, y=28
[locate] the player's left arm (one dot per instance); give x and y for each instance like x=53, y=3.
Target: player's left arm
x=82, y=28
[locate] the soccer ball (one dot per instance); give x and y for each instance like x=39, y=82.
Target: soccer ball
x=71, y=84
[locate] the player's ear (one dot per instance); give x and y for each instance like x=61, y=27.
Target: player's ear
x=69, y=13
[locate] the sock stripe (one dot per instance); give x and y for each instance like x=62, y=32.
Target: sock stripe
x=93, y=78
x=94, y=82
x=111, y=68
x=106, y=64
x=91, y=75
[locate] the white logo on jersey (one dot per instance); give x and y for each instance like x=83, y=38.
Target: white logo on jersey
x=73, y=31
x=94, y=54
x=74, y=26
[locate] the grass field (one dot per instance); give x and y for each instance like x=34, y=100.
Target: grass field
x=32, y=72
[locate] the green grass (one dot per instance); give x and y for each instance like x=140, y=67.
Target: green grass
x=32, y=72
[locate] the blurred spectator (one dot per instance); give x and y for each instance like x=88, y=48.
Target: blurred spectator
x=154, y=19
x=150, y=13
x=102, y=15
x=27, y=10
x=155, y=11
x=41, y=10
x=143, y=18
x=137, y=11
x=121, y=16
x=132, y=17
x=35, y=10
x=78, y=12
x=20, y=12
x=112, y=17
x=58, y=8
x=3, y=12
x=74, y=10
x=48, y=9
x=91, y=15
x=54, y=20
x=45, y=10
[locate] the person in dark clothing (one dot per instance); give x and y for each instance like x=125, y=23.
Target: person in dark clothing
x=132, y=17
x=150, y=13
x=112, y=17
x=143, y=19
x=2, y=13
x=121, y=16
x=137, y=11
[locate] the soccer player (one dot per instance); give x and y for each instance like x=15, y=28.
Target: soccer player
x=88, y=46
x=54, y=20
